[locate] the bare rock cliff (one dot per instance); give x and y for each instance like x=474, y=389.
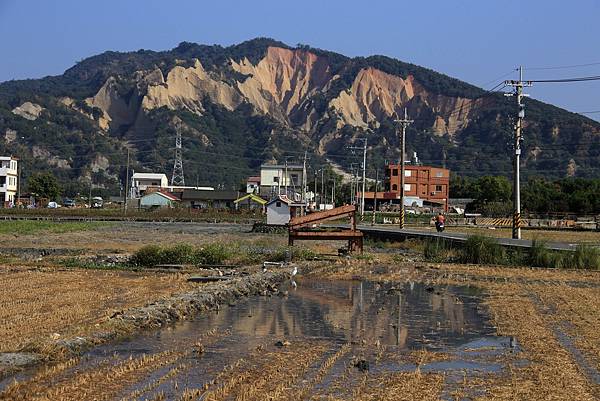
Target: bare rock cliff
x=283, y=84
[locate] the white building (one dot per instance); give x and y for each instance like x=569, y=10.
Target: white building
x=9, y=176
x=140, y=182
x=275, y=178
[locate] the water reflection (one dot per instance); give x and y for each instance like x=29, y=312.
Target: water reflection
x=402, y=317
x=410, y=316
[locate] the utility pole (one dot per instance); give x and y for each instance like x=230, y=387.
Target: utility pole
x=303, y=210
x=518, y=93
x=126, y=184
x=333, y=192
x=362, y=202
x=90, y=197
x=375, y=197
x=19, y=167
x=177, y=178
x=356, y=198
x=405, y=122
x=364, y=168
x=315, y=193
x=322, y=197
x=285, y=178
x=352, y=184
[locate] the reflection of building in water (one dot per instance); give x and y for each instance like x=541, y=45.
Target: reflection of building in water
x=351, y=312
x=452, y=311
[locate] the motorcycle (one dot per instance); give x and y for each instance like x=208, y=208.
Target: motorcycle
x=439, y=226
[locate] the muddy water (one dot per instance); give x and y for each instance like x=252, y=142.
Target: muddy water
x=398, y=319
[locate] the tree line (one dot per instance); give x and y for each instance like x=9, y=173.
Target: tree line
x=492, y=195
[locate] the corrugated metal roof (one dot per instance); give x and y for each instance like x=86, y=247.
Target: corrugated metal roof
x=193, y=194
x=167, y=195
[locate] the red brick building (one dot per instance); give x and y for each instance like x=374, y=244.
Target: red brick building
x=422, y=184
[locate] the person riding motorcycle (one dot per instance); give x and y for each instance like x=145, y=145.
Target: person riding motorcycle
x=440, y=221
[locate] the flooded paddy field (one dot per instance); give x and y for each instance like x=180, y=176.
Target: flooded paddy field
x=383, y=326
x=318, y=340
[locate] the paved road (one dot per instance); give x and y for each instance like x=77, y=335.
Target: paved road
x=395, y=232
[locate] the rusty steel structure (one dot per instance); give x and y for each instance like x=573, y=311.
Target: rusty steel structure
x=303, y=228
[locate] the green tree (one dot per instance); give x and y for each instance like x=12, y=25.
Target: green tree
x=44, y=185
x=493, y=189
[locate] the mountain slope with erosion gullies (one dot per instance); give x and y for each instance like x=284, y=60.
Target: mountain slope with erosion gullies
x=239, y=106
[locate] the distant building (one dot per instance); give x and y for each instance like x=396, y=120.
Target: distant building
x=423, y=186
x=280, y=210
x=275, y=178
x=253, y=185
x=147, y=182
x=210, y=199
x=158, y=199
x=250, y=201
x=9, y=176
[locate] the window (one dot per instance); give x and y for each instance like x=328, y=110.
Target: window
x=276, y=179
x=294, y=179
x=395, y=172
x=439, y=174
x=394, y=187
x=278, y=204
x=438, y=188
x=407, y=187
x=407, y=173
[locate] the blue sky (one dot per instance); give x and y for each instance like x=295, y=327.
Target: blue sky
x=473, y=40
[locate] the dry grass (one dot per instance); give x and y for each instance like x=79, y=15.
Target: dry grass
x=526, y=303
x=38, y=305
x=127, y=237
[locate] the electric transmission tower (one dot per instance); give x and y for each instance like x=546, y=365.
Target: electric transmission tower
x=177, y=179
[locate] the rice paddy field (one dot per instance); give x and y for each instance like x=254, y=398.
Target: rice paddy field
x=383, y=326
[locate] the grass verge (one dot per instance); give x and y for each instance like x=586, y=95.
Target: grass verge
x=29, y=227
x=484, y=250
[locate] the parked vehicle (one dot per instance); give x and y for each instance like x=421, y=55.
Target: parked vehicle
x=53, y=205
x=97, y=202
x=69, y=203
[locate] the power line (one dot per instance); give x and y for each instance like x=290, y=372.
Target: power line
x=576, y=79
x=500, y=77
x=562, y=67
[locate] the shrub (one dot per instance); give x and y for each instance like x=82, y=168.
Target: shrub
x=479, y=249
x=540, y=255
x=585, y=257
x=212, y=254
x=437, y=250
x=300, y=253
x=149, y=255
x=178, y=254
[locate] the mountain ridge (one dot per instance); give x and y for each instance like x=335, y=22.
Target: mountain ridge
x=258, y=100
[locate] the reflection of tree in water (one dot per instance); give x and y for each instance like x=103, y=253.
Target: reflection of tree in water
x=352, y=311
